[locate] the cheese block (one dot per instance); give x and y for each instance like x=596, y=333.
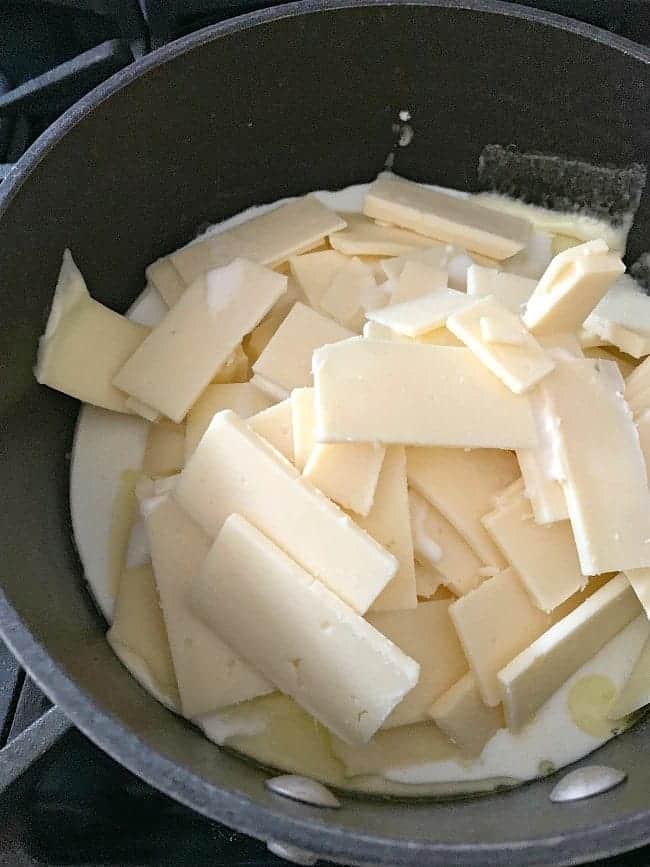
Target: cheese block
x=346, y=473
x=609, y=509
x=85, y=343
x=417, y=278
x=640, y=581
x=464, y=717
x=438, y=396
x=427, y=581
x=495, y=623
x=139, y=638
x=635, y=692
x=315, y=271
x=571, y=287
x=241, y=397
x=510, y=290
x=165, y=278
x=461, y=485
x=344, y=297
x=434, y=256
x=235, y=368
x=269, y=239
x=287, y=360
x=274, y=425
x=544, y=556
x=234, y=470
x=426, y=634
x=388, y=522
x=438, y=543
x=364, y=237
x=529, y=680
x=210, y=675
x=164, y=454
x=500, y=342
x=422, y=314
x=302, y=425
x=622, y=317
x=182, y=355
x=313, y=646
x=446, y=217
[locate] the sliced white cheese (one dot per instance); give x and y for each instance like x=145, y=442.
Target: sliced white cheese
x=274, y=425
x=234, y=470
x=438, y=337
x=418, y=278
x=530, y=679
x=388, y=522
x=313, y=646
x=164, y=454
x=427, y=581
x=182, y=355
x=138, y=408
x=85, y=343
x=510, y=290
x=434, y=256
x=571, y=287
x=461, y=485
x=464, y=717
x=364, y=237
x=635, y=693
x=427, y=635
x=422, y=314
x=495, y=623
x=446, y=217
x=438, y=396
x=346, y=473
x=241, y=397
x=315, y=271
x=302, y=424
x=287, y=359
x=166, y=279
x=343, y=299
x=256, y=342
x=622, y=317
x=235, y=368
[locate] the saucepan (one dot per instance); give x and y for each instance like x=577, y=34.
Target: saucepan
x=273, y=104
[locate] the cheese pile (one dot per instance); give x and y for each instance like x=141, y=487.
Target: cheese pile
x=396, y=465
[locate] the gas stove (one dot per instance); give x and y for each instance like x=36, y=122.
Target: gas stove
x=72, y=804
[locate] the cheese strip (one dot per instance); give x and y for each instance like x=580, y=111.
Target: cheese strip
x=446, y=217
x=499, y=340
x=635, y=692
x=164, y=454
x=139, y=638
x=530, y=679
x=433, y=256
x=438, y=396
x=417, y=279
x=461, y=485
x=622, y=317
x=438, y=543
x=422, y=314
x=234, y=470
x=269, y=239
x=427, y=635
x=609, y=509
x=346, y=473
x=85, y=343
x=544, y=557
x=182, y=355
x=315, y=271
x=274, y=425
x=464, y=717
x=344, y=297
x=241, y=397
x=313, y=646
x=287, y=360
x=571, y=287
x=388, y=522
x=640, y=581
x=302, y=424
x=510, y=290
x=427, y=581
x=364, y=237
x=209, y=674
x=495, y=623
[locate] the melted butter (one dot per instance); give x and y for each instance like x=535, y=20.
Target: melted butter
x=122, y=517
x=589, y=700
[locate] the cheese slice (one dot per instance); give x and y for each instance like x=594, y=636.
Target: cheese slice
x=640, y=581
x=499, y=340
x=302, y=425
x=138, y=408
x=544, y=556
x=434, y=256
x=346, y=473
x=530, y=679
x=622, y=317
x=457, y=220
x=164, y=454
x=464, y=717
x=274, y=425
x=635, y=692
x=139, y=638
x=624, y=365
x=510, y=290
x=421, y=315
x=609, y=509
x=438, y=396
x=417, y=278
x=388, y=522
x=286, y=362
x=461, y=485
x=343, y=299
x=427, y=635
x=235, y=368
x=438, y=543
x=495, y=623
x=85, y=343
x=313, y=646
x=182, y=355
x=234, y=470
x=438, y=337
x=165, y=278
x=256, y=342
x=210, y=675
x=241, y=397
x=571, y=287
x=315, y=271
x=427, y=581
x=364, y=237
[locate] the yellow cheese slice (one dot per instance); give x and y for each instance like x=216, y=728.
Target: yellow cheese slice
x=164, y=454
x=241, y=397
x=464, y=717
x=344, y=297
x=635, y=693
x=315, y=271
x=346, y=473
x=417, y=278
x=364, y=237
x=313, y=646
x=622, y=317
x=234, y=470
x=510, y=290
x=422, y=314
x=274, y=425
x=495, y=623
x=530, y=679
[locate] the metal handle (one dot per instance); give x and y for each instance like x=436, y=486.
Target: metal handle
x=31, y=744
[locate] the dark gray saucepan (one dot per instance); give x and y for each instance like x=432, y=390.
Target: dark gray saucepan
x=278, y=103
